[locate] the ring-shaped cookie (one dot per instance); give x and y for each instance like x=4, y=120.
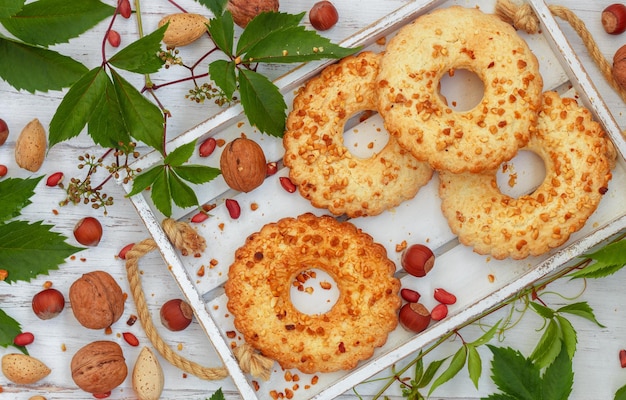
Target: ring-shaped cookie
x=260, y=279
x=439, y=43
x=578, y=159
x=324, y=170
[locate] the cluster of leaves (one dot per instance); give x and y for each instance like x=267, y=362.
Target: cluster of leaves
x=27, y=249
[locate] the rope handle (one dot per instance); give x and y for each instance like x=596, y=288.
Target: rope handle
x=188, y=241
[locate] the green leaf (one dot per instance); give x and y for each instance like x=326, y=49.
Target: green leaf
x=31, y=68
x=197, y=173
x=542, y=310
x=141, y=56
x=160, y=193
x=514, y=374
x=47, y=22
x=217, y=7
x=28, y=250
x=548, y=347
x=15, y=194
x=142, y=181
x=620, y=394
x=223, y=74
x=609, y=259
x=558, y=379
x=263, y=25
x=77, y=106
x=222, y=31
x=499, y=396
x=568, y=334
x=106, y=125
x=474, y=365
x=10, y=7
x=182, y=195
x=581, y=309
x=9, y=329
x=143, y=119
x=430, y=372
x=262, y=102
x=180, y=155
x=456, y=364
x=487, y=336
x=292, y=45
x=218, y=395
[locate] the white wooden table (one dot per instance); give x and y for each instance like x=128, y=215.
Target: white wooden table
x=597, y=371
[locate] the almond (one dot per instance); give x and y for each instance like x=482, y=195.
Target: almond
x=148, y=377
x=183, y=28
x=30, y=147
x=23, y=369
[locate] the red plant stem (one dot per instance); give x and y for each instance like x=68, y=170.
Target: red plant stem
x=177, y=6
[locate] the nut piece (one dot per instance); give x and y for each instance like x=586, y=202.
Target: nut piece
x=23, y=369
x=4, y=131
x=418, y=260
x=244, y=11
x=97, y=300
x=99, y=367
x=148, y=379
x=323, y=15
x=183, y=29
x=243, y=164
x=176, y=315
x=619, y=67
x=414, y=317
x=30, y=147
x=614, y=19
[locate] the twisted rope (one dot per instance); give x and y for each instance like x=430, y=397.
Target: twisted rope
x=523, y=17
x=188, y=241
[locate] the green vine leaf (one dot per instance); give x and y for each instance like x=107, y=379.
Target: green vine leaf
x=15, y=194
x=542, y=310
x=558, y=379
x=568, y=335
x=262, y=102
x=106, y=125
x=224, y=75
x=182, y=195
x=217, y=7
x=581, y=309
x=222, y=31
x=31, y=68
x=197, y=174
x=141, y=56
x=218, y=395
x=264, y=25
x=10, y=7
x=9, y=328
x=160, y=193
x=487, y=336
x=48, y=22
x=548, y=347
x=620, y=394
x=143, y=181
x=180, y=155
x=514, y=374
x=28, y=250
x=430, y=372
x=608, y=260
x=474, y=365
x=456, y=364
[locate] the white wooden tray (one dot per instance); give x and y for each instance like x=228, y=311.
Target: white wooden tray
x=419, y=220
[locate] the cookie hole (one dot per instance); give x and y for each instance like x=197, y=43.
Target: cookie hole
x=313, y=291
x=462, y=89
x=521, y=175
x=364, y=134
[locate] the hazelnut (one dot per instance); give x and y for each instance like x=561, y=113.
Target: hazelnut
x=243, y=165
x=48, y=303
x=414, y=317
x=4, y=131
x=176, y=314
x=323, y=15
x=99, y=367
x=244, y=11
x=418, y=260
x=97, y=300
x=614, y=19
x=88, y=231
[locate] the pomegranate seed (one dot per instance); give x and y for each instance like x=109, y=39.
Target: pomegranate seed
x=24, y=339
x=287, y=184
x=207, y=147
x=439, y=312
x=125, y=249
x=622, y=358
x=199, y=217
x=131, y=339
x=445, y=297
x=3, y=170
x=114, y=38
x=233, y=208
x=102, y=395
x=54, y=179
x=123, y=7
x=272, y=168
x=410, y=295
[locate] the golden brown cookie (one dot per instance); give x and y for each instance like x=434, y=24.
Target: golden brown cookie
x=439, y=43
x=324, y=170
x=258, y=290
x=578, y=159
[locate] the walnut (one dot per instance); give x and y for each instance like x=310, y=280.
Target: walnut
x=97, y=300
x=619, y=67
x=244, y=11
x=99, y=367
x=243, y=164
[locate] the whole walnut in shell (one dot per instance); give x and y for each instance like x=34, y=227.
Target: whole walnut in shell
x=243, y=164
x=99, y=367
x=97, y=300
x=244, y=11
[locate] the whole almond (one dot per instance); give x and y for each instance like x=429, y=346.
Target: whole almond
x=23, y=369
x=148, y=377
x=183, y=28
x=30, y=147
